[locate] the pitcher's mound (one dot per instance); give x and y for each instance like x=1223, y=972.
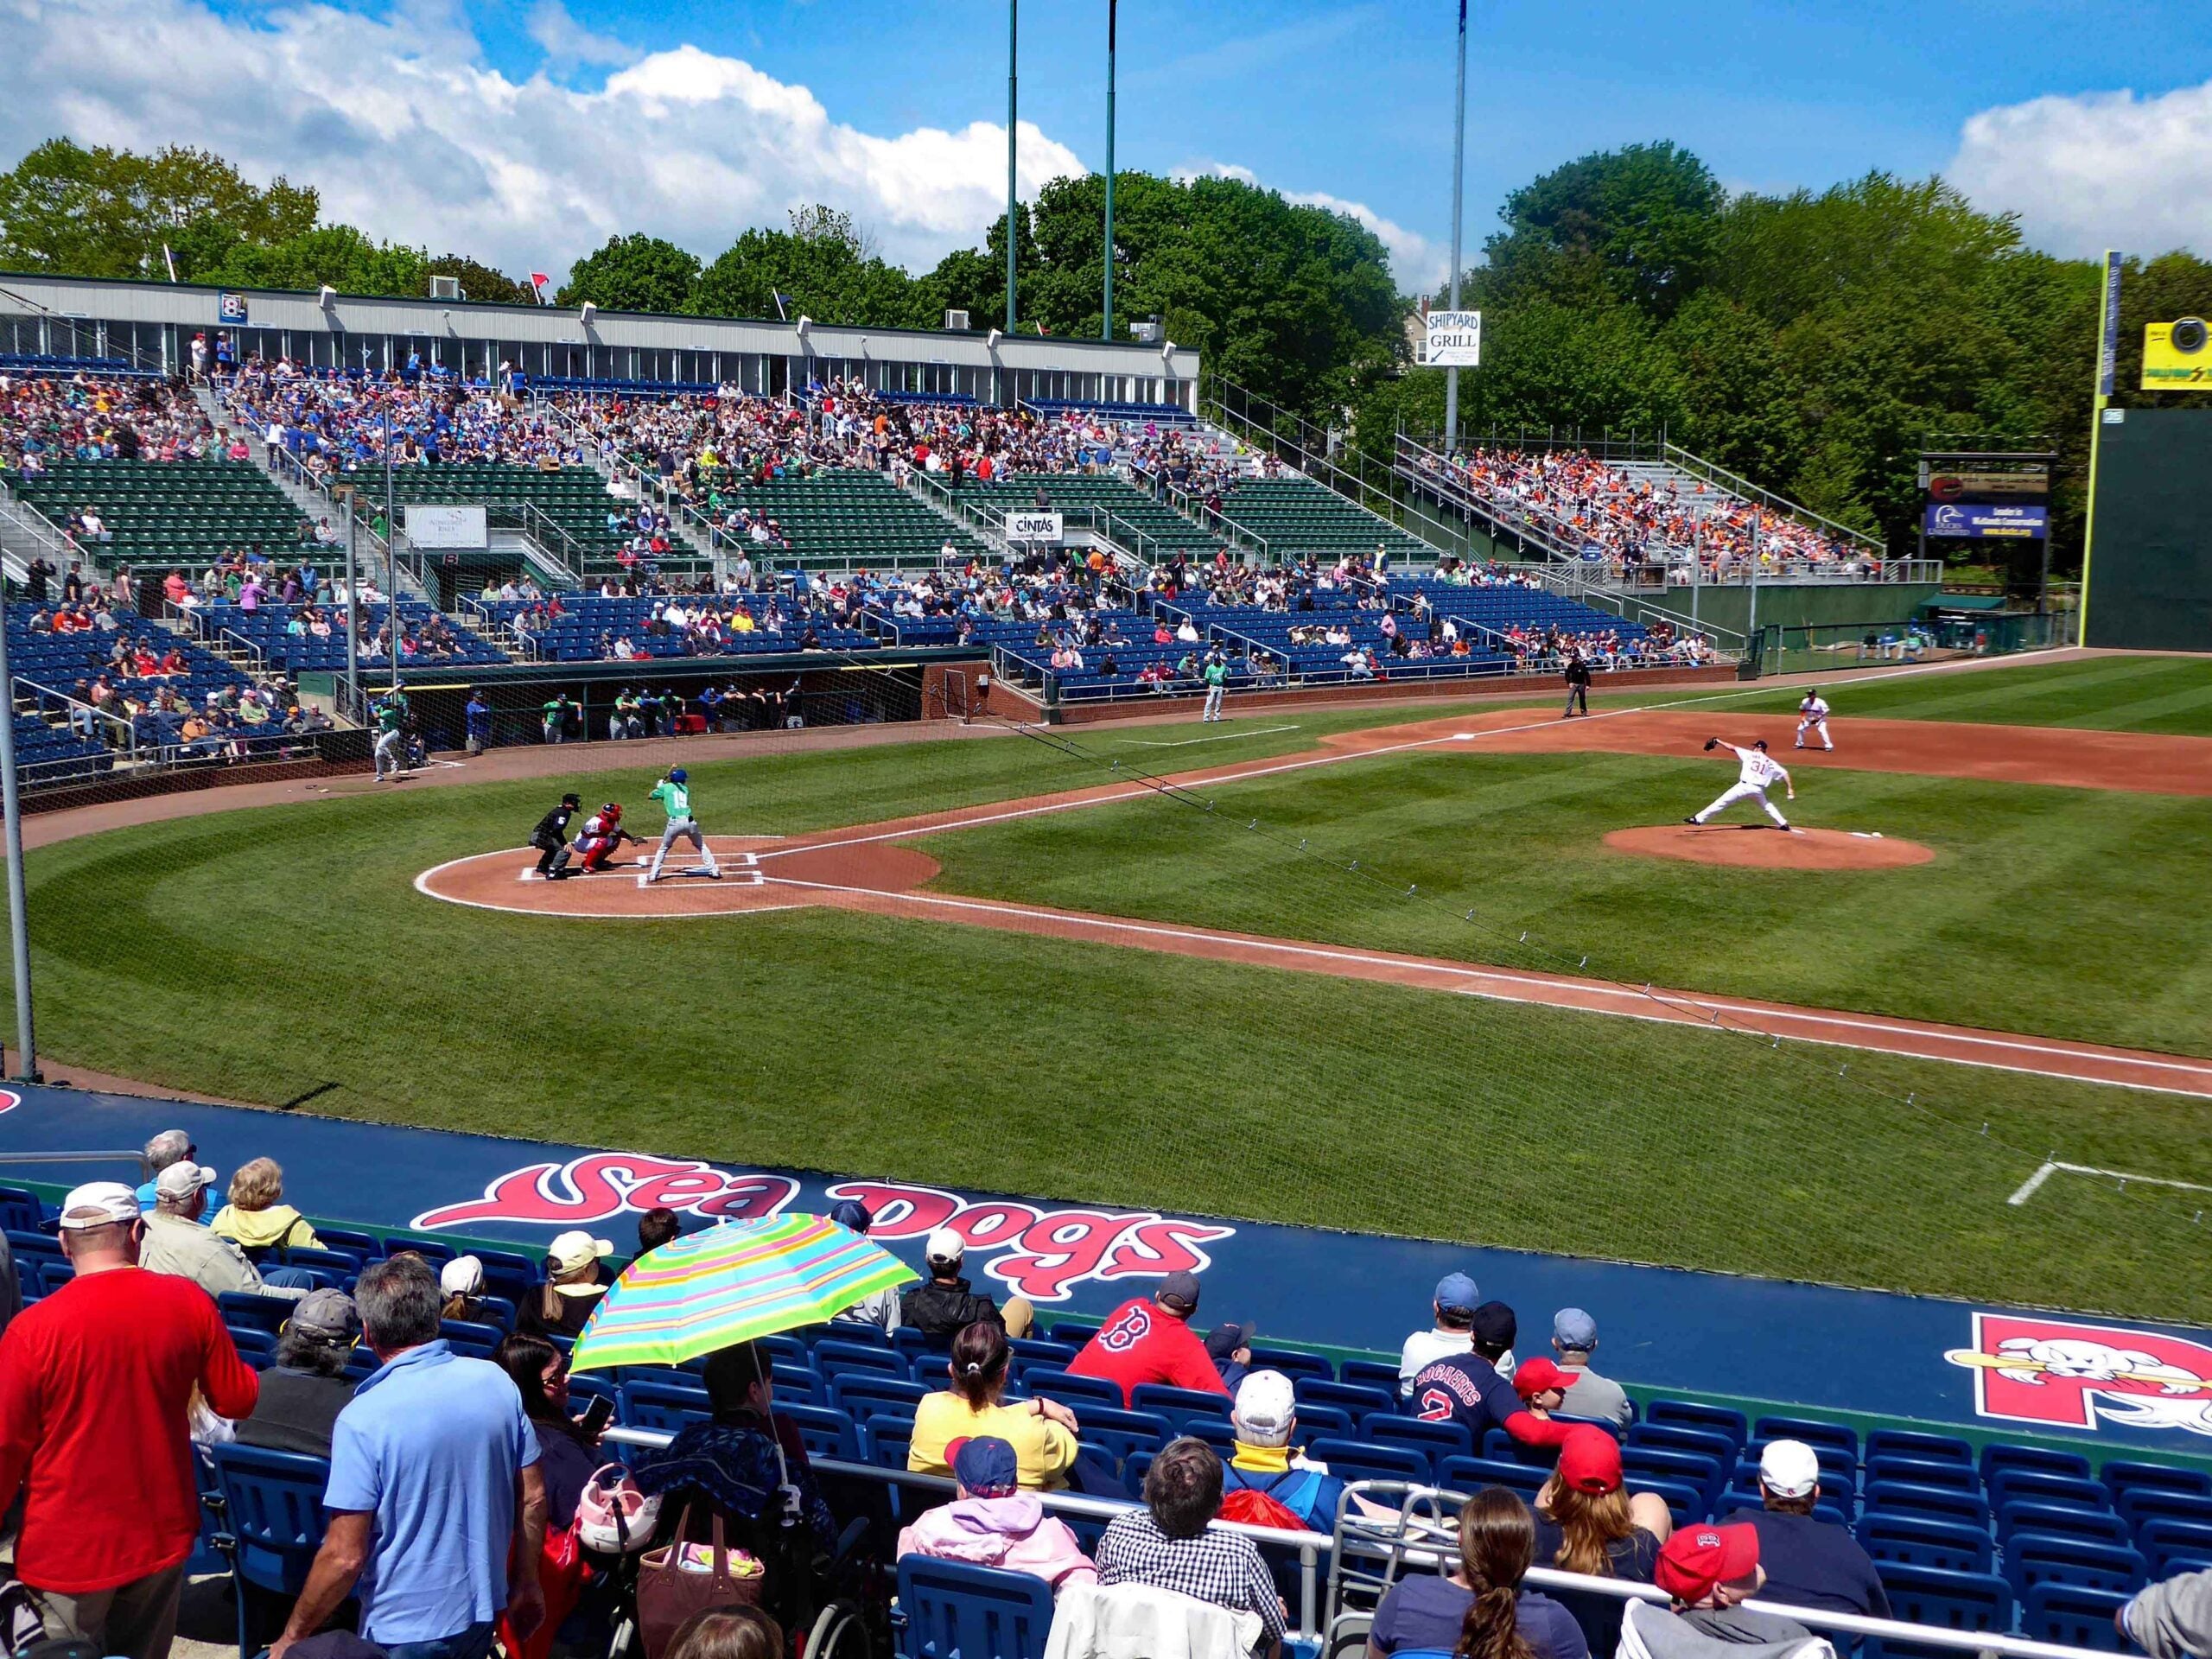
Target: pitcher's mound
x=1762, y=847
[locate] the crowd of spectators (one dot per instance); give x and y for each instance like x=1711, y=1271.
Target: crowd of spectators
x=334, y=424
x=1599, y=511
x=455, y=1485
x=50, y=418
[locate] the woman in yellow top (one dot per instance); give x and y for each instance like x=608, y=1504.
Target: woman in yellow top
x=257, y=1217
x=1041, y=1432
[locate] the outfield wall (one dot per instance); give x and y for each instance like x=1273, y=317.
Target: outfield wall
x=2150, y=562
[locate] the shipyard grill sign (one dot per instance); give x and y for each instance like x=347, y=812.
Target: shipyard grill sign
x=1455, y=339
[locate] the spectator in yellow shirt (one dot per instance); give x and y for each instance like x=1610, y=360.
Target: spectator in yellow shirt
x=1041, y=1432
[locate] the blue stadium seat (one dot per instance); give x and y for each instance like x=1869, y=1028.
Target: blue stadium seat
x=1811, y=1430
x=2043, y=1459
x=1117, y=1432
x=1358, y=1398
x=2036, y=1486
x=1953, y=1477
x=1370, y=1374
x=863, y=1395
x=1691, y=1414
x=1074, y=1331
x=1036, y=1350
x=2166, y=1541
x=1644, y=1465
x=786, y=1348
x=1216, y=1432
x=2138, y=1505
x=2126, y=1476
x=360, y=1360
x=469, y=1338
x=1673, y=1437
x=1292, y=1362
x=255, y=1346
x=272, y=1516
x=885, y=1438
x=435, y=1251
x=796, y=1383
x=1071, y=1389
x=264, y=1312
x=2033, y=1558
x=1178, y=1406
x=1362, y=1461
x=367, y=1246
x=1938, y=1501
x=1955, y=1601
x=1327, y=1419
x=2094, y=1525
x=954, y=1611
x=2074, y=1615
x=1499, y=1445
x=1915, y=1443
x=825, y=1431
x=1685, y=1502
x=1433, y=1439
x=839, y=1358
x=586, y=1386
x=665, y=1406
x=862, y=1334
x=1473, y=1474
x=1735, y=1502
x=20, y=1210
x=1922, y=1540
x=509, y=1274
x=338, y=1261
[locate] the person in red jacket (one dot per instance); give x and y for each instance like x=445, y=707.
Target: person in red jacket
x=95, y=1384
x=1151, y=1341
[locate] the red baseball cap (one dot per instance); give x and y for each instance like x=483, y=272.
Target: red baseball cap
x=1589, y=1459
x=1697, y=1557
x=1533, y=1376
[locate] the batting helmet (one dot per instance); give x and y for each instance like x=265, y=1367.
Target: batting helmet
x=677, y=775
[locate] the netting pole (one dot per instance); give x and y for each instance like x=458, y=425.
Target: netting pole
x=19, y=936
x=352, y=612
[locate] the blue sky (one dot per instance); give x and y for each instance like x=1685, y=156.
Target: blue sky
x=2093, y=122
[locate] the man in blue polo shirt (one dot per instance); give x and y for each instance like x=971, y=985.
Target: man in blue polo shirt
x=432, y=1470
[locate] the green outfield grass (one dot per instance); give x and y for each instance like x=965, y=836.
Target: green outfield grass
x=261, y=955
x=2170, y=695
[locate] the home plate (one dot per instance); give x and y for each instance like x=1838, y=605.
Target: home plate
x=741, y=868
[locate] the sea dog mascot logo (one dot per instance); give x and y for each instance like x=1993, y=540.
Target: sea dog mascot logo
x=10, y=1100
x=2066, y=1374
x=1042, y=1253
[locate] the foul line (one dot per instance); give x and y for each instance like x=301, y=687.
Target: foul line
x=2028, y=1188
x=1223, y=737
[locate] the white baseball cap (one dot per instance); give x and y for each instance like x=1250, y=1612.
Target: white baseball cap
x=462, y=1276
x=98, y=1204
x=945, y=1245
x=1789, y=1469
x=183, y=1179
x=572, y=1252
x=1265, y=1405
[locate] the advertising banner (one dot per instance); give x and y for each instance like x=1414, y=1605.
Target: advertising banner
x=461, y=529
x=1455, y=339
x=2007, y=481
x=1988, y=523
x=1032, y=527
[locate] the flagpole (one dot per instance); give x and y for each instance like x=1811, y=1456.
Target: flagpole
x=1012, y=41
x=1458, y=193
x=1112, y=8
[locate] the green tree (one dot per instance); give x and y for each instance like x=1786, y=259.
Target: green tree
x=1637, y=223
x=108, y=213
x=633, y=273
x=822, y=267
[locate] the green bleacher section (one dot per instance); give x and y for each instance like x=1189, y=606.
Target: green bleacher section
x=1299, y=516
x=574, y=498
x=166, y=514
x=1168, y=531
x=850, y=518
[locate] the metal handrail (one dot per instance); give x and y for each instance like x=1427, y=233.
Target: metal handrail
x=128, y=739
x=1309, y=456
x=1698, y=467
x=1427, y=470
x=1220, y=522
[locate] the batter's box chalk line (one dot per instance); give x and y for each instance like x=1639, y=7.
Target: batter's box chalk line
x=2030, y=1187
x=740, y=869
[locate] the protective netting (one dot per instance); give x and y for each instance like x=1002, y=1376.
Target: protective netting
x=1091, y=972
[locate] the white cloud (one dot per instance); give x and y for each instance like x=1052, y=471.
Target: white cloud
x=411, y=135
x=565, y=39
x=2095, y=171
x=1419, y=265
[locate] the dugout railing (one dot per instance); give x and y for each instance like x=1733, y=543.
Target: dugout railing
x=1312, y=1556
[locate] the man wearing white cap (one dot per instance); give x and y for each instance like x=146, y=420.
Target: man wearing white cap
x=946, y=1307
x=177, y=1242
x=1263, y=1419
x=1809, y=1562
x=95, y=1381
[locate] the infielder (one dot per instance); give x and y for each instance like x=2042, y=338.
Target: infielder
x=674, y=793
x=1216, y=675
x=602, y=836
x=1760, y=772
x=1813, y=716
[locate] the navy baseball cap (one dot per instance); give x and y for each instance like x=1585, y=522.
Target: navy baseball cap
x=1494, y=1324
x=985, y=1466
x=1572, y=1328
x=1456, y=1293
x=852, y=1215
x=1179, y=1289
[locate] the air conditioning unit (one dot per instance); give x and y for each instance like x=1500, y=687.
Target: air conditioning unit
x=445, y=287
x=1148, y=332
x=956, y=322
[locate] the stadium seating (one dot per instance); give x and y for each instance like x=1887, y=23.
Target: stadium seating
x=849, y=518
x=586, y=619
x=1300, y=518
x=169, y=515
x=264, y=630
x=954, y=1611
x=1163, y=531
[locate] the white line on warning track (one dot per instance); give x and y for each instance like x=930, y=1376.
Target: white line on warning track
x=1223, y=737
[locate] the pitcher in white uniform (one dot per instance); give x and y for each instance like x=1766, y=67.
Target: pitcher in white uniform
x=674, y=793
x=1813, y=717
x=1760, y=772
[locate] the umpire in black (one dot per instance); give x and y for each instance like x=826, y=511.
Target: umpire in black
x=1578, y=684
x=552, y=832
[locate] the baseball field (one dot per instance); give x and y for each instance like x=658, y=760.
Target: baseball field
x=1011, y=963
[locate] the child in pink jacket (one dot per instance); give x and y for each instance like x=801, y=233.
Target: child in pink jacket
x=994, y=1524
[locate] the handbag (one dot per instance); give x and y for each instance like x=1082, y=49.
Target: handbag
x=562, y=1575
x=668, y=1594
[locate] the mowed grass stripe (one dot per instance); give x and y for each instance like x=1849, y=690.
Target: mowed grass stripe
x=2163, y=695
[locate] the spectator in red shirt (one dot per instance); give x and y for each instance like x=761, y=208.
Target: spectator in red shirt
x=1151, y=1341
x=95, y=1382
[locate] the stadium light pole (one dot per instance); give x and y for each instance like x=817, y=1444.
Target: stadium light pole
x=1013, y=56
x=1458, y=190
x=390, y=558
x=1107, y=332
x=352, y=612
x=19, y=934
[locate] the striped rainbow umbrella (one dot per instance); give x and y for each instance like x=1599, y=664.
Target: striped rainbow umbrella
x=729, y=1284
